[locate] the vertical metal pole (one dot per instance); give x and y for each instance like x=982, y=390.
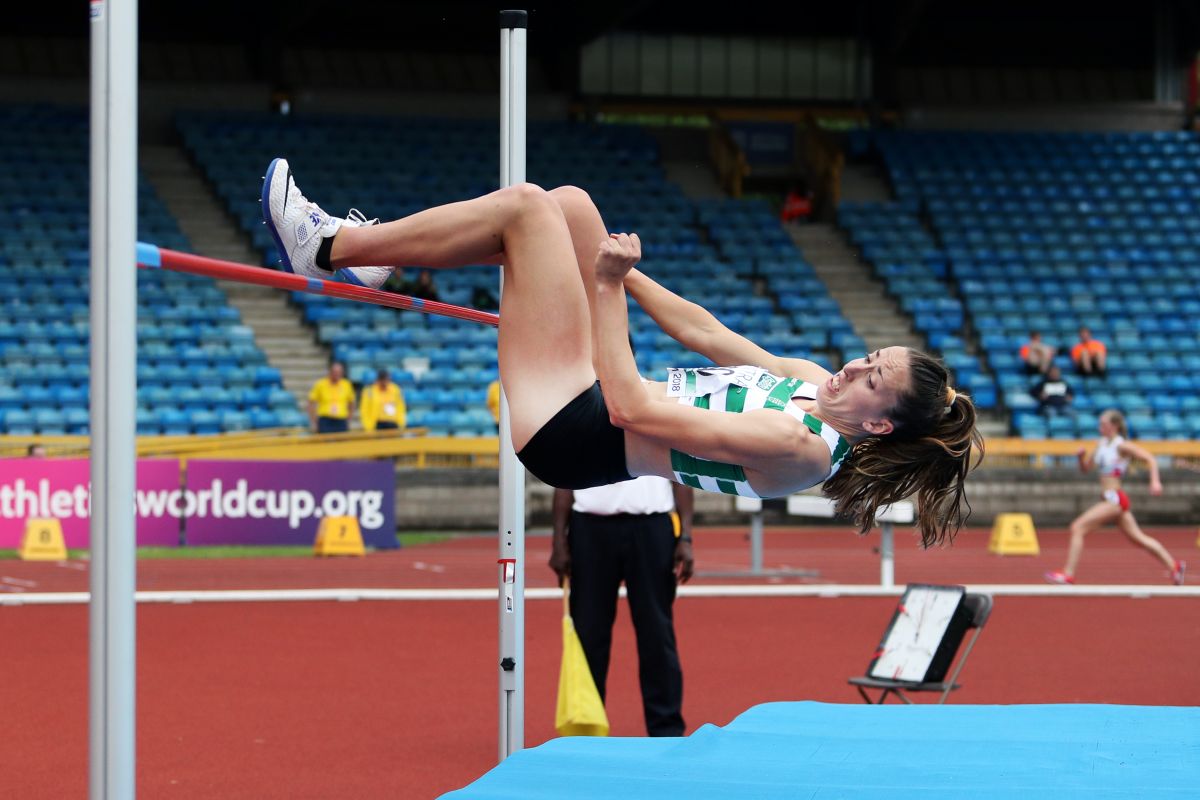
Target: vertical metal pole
x=1167, y=73
x=112, y=655
x=756, y=542
x=513, y=26
x=887, y=563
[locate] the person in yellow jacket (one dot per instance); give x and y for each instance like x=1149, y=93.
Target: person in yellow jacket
x=331, y=401
x=493, y=402
x=382, y=406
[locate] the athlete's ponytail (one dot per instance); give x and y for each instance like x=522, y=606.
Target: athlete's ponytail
x=927, y=454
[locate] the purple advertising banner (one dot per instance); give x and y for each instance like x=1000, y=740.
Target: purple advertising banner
x=33, y=488
x=282, y=502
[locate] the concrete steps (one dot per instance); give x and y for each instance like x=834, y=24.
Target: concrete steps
x=874, y=315
x=289, y=345
x=278, y=327
x=686, y=161
x=863, y=183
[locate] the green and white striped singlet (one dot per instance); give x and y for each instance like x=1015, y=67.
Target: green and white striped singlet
x=735, y=390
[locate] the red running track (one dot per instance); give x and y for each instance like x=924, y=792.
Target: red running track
x=838, y=555
x=398, y=699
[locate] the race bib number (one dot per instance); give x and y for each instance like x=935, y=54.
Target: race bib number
x=389, y=409
x=335, y=409
x=706, y=380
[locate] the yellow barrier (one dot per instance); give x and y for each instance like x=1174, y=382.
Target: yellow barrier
x=406, y=449
x=339, y=536
x=410, y=448
x=1013, y=534
x=43, y=541
x=1034, y=452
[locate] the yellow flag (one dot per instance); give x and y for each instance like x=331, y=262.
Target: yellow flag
x=580, y=709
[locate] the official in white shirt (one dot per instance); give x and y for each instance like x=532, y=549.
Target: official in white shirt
x=625, y=532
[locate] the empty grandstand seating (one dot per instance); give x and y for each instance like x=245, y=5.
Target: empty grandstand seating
x=907, y=258
x=1050, y=232
x=198, y=369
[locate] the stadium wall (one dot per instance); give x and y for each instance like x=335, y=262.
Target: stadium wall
x=1129, y=116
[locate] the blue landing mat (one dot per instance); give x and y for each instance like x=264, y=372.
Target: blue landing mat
x=819, y=751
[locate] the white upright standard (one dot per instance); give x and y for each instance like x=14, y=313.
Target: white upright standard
x=111, y=646
x=513, y=27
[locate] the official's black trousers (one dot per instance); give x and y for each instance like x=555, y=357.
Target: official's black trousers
x=639, y=549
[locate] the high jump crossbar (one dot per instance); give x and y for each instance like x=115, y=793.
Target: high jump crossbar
x=150, y=256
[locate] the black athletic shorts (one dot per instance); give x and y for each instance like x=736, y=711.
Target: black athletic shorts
x=578, y=448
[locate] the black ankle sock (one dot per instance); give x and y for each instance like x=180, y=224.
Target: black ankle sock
x=323, y=253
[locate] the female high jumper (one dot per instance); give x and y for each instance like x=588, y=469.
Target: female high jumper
x=880, y=429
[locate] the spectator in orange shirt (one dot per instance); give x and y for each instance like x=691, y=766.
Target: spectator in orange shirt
x=1089, y=355
x=1036, y=355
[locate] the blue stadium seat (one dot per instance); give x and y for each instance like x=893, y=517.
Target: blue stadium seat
x=292, y=418
x=267, y=376
x=264, y=418
x=50, y=421
x=203, y=422
x=235, y=421
x=148, y=427
x=281, y=398
x=77, y=420
x=19, y=422
x=254, y=397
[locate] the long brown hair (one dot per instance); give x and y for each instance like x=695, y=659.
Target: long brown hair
x=928, y=453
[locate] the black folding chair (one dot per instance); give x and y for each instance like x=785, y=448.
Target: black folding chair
x=979, y=606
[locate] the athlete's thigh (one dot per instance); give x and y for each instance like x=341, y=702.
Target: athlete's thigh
x=545, y=345
x=1101, y=513
x=1129, y=526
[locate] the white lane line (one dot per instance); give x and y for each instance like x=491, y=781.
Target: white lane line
x=826, y=591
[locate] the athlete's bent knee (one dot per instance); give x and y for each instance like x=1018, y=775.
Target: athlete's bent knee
x=572, y=198
x=532, y=200
x=527, y=193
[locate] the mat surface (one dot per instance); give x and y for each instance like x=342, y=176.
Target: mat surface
x=823, y=751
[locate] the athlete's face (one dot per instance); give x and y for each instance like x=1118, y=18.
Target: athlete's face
x=1106, y=427
x=862, y=393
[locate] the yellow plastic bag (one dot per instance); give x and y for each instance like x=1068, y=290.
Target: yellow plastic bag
x=580, y=711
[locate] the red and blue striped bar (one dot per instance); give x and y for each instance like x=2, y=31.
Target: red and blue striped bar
x=151, y=256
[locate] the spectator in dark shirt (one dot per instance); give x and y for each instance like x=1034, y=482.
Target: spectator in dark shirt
x=484, y=300
x=1053, y=394
x=422, y=288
